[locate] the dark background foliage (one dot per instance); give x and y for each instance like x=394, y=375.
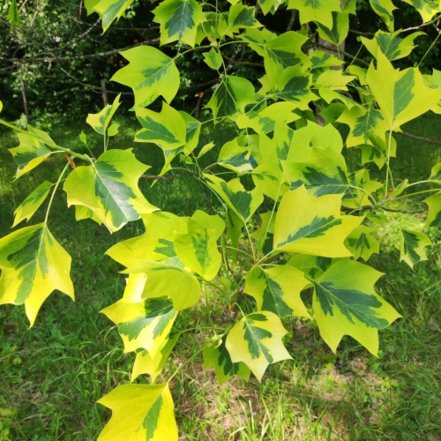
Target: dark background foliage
x=58, y=61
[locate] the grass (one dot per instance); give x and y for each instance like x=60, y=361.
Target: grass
x=52, y=375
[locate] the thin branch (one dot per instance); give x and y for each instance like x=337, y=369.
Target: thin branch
x=346, y=54
x=167, y=177
x=419, y=138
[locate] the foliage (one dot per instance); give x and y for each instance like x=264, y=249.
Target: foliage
x=293, y=204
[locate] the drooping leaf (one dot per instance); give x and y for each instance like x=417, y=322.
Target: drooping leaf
x=197, y=247
x=140, y=412
x=413, y=246
x=401, y=95
x=150, y=73
x=231, y=96
x=345, y=303
x=33, y=265
x=319, y=11
x=166, y=128
x=100, y=121
x=277, y=289
x=390, y=44
x=218, y=358
x=108, y=10
x=384, y=9
x=109, y=188
x=144, y=324
x=362, y=243
x=243, y=202
x=32, y=203
x=256, y=340
x=312, y=225
x=178, y=20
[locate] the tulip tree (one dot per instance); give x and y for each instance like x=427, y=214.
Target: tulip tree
x=294, y=210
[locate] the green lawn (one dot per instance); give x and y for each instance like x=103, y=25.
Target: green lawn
x=52, y=374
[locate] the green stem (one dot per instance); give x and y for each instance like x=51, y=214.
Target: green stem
x=388, y=171
x=429, y=49
x=239, y=251
x=250, y=240
x=430, y=190
x=426, y=181
x=49, y=206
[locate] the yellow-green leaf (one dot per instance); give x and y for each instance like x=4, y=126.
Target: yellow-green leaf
x=324, y=172
x=434, y=212
x=313, y=225
x=363, y=243
x=384, y=9
x=243, y=202
x=100, y=121
x=197, y=247
x=155, y=244
x=231, y=96
x=166, y=128
x=109, y=188
x=256, y=340
x=33, y=265
x=277, y=289
x=165, y=279
x=178, y=20
x=108, y=10
x=401, y=95
x=213, y=59
x=140, y=412
x=33, y=149
x=366, y=124
x=239, y=17
x=150, y=73
x=426, y=8
x=391, y=44
x=152, y=362
x=345, y=303
x=339, y=30
x=413, y=246
x=218, y=358
x=319, y=11
x=32, y=203
x=142, y=325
